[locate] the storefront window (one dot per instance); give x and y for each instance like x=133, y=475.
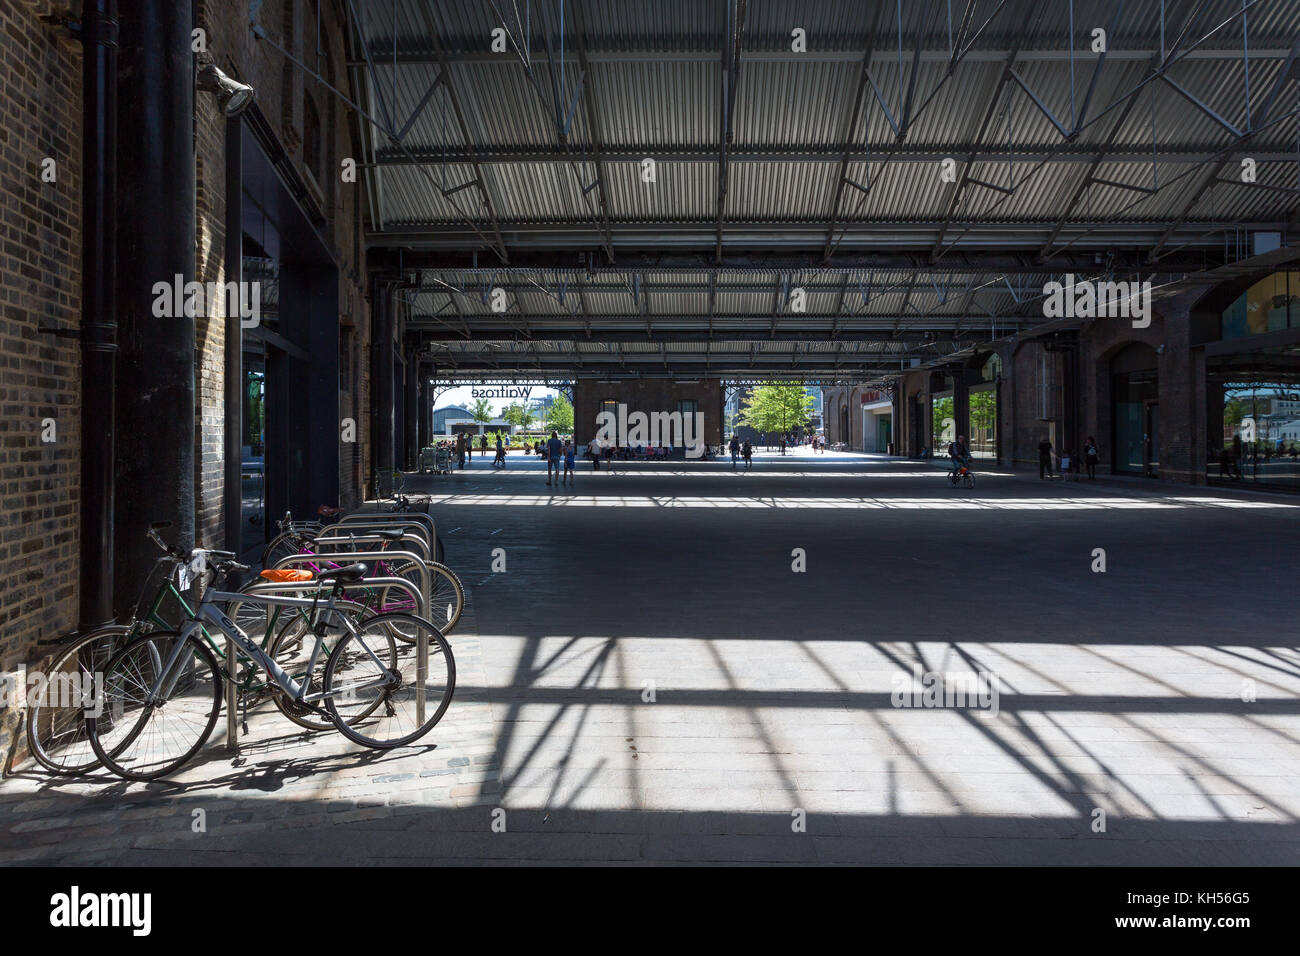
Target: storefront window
x=1136, y=442
x=1260, y=438
x=1270, y=305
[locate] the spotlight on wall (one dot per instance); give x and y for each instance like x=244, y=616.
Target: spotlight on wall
x=233, y=97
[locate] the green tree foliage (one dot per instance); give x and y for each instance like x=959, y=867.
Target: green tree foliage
x=943, y=428
x=777, y=407
x=983, y=411
x=482, y=410
x=560, y=416
x=518, y=415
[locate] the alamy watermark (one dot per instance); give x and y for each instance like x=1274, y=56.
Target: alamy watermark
x=180, y=298
x=969, y=690
x=655, y=428
x=1085, y=299
x=61, y=690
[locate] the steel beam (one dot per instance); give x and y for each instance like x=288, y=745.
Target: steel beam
x=962, y=262
x=1273, y=48
x=501, y=154
x=820, y=332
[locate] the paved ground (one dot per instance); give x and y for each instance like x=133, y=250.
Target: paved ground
x=649, y=680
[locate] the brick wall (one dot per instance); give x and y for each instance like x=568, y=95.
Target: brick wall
x=646, y=395
x=1181, y=386
x=40, y=251
x=40, y=275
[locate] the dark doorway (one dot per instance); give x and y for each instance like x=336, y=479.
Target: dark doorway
x=291, y=428
x=1135, y=391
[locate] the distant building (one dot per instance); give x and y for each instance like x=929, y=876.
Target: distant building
x=456, y=426
x=440, y=416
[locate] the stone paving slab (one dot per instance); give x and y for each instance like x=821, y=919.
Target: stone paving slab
x=651, y=683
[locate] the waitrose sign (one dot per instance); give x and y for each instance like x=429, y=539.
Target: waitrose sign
x=520, y=391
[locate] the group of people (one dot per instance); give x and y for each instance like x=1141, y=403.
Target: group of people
x=741, y=450
x=959, y=456
x=1069, y=461
x=1230, y=459
x=464, y=450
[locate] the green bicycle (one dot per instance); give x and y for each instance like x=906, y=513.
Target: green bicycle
x=55, y=725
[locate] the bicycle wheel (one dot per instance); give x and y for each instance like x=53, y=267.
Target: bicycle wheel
x=292, y=649
x=283, y=545
x=446, y=594
x=358, y=676
x=398, y=481
x=56, y=726
x=969, y=480
x=142, y=737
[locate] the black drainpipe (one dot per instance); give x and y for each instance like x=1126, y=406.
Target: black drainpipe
x=99, y=307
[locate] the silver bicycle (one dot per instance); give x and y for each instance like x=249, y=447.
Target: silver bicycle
x=385, y=681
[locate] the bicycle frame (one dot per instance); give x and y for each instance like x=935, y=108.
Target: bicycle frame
x=207, y=612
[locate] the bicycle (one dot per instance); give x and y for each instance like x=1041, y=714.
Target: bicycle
x=387, y=483
x=292, y=532
x=446, y=593
x=162, y=692
x=55, y=728
x=962, y=476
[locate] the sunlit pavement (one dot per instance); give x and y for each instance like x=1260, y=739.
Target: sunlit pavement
x=647, y=676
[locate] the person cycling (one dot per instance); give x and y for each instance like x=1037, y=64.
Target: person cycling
x=959, y=454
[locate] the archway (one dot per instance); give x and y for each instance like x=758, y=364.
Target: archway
x=1135, y=410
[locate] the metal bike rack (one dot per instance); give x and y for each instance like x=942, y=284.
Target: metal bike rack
x=393, y=516
x=372, y=527
x=349, y=539
x=388, y=523
x=352, y=557
x=279, y=587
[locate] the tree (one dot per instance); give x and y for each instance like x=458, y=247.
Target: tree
x=560, y=416
x=482, y=410
x=518, y=416
x=777, y=407
x=943, y=424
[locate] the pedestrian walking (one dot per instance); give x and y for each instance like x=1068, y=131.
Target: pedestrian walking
x=735, y=451
x=748, y=452
x=500, y=460
x=460, y=450
x=554, y=451
x=1045, y=458
x=1090, y=457
x=569, y=453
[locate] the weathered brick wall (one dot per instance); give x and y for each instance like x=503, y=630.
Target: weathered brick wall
x=1034, y=414
x=40, y=276
x=1181, y=386
x=833, y=399
x=646, y=395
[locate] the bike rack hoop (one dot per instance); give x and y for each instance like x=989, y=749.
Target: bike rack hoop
x=370, y=527
x=390, y=517
x=413, y=539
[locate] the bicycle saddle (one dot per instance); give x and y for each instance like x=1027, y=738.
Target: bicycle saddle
x=328, y=511
x=391, y=535
x=347, y=574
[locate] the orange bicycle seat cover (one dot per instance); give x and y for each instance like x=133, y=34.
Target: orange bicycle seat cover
x=286, y=574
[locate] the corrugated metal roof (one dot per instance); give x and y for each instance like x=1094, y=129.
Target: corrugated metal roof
x=655, y=87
